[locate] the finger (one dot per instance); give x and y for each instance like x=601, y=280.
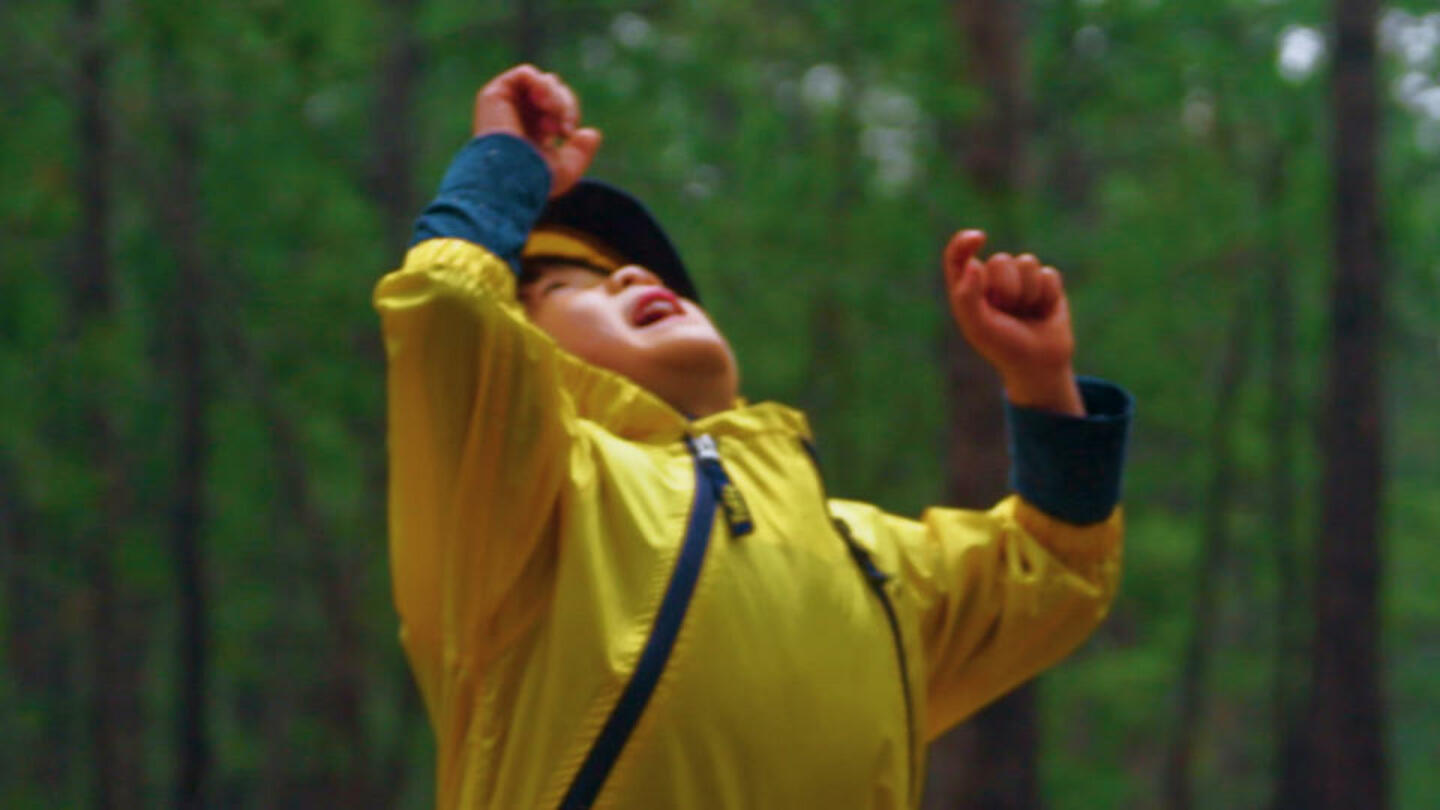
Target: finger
x=570, y=107
x=515, y=78
x=538, y=106
x=961, y=249
x=555, y=106
x=967, y=294
x=1003, y=286
x=1027, y=268
x=500, y=104
x=545, y=93
x=573, y=159
x=585, y=143
x=1051, y=292
x=514, y=84
x=495, y=109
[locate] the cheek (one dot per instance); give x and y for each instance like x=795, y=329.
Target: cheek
x=707, y=328
x=580, y=328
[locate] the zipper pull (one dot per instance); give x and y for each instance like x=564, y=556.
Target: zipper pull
x=732, y=503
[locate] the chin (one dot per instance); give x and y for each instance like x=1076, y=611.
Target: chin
x=691, y=365
x=698, y=352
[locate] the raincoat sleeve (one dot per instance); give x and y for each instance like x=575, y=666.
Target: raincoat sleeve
x=478, y=436
x=1000, y=595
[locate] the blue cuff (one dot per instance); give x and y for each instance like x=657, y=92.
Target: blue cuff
x=491, y=195
x=1068, y=466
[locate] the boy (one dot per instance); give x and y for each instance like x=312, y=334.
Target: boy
x=621, y=586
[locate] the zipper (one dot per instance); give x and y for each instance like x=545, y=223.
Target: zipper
x=876, y=579
x=711, y=483
x=732, y=503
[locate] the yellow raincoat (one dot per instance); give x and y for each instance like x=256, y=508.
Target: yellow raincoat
x=538, y=505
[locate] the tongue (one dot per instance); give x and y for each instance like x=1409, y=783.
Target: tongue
x=653, y=312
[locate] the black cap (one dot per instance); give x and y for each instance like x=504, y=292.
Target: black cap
x=624, y=225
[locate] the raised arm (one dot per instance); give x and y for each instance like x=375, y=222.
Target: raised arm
x=1001, y=595
x=478, y=425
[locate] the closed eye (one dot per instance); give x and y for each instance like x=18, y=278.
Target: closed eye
x=550, y=287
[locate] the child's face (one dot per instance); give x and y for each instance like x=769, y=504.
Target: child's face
x=630, y=323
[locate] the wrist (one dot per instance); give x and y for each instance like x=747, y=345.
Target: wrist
x=491, y=195
x=1055, y=391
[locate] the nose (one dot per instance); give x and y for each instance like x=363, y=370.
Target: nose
x=629, y=275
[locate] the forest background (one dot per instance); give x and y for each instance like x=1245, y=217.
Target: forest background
x=196, y=199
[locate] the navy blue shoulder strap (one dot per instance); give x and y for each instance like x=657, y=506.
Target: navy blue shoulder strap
x=616, y=731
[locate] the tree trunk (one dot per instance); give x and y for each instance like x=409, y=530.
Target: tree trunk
x=91, y=282
x=40, y=666
x=374, y=779
x=392, y=186
x=178, y=205
x=360, y=777
x=1346, y=709
x=187, y=525
x=995, y=58
x=338, y=694
x=394, y=178
x=1214, y=553
x=115, y=687
x=530, y=34
x=1288, y=685
x=992, y=760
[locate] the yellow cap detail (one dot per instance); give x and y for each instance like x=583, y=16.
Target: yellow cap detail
x=553, y=241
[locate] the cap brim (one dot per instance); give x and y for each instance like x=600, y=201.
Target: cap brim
x=624, y=224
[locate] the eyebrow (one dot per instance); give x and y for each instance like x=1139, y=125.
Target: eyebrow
x=534, y=265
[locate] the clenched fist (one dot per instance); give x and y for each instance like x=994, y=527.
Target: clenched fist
x=1014, y=312
x=539, y=107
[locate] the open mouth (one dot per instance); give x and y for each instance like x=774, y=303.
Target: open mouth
x=655, y=306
